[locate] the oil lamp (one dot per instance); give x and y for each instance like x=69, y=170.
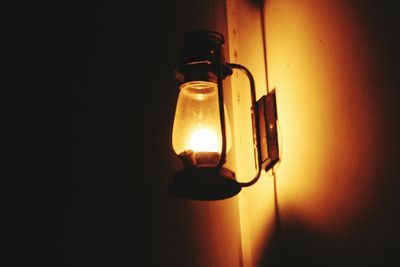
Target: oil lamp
x=201, y=134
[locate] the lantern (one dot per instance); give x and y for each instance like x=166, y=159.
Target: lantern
x=201, y=134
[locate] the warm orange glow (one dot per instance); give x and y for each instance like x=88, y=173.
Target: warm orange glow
x=197, y=123
x=256, y=203
x=319, y=67
x=204, y=140
x=319, y=62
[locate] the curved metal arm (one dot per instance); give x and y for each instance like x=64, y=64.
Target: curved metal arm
x=221, y=109
x=256, y=122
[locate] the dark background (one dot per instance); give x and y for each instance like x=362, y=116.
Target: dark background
x=88, y=124
x=88, y=101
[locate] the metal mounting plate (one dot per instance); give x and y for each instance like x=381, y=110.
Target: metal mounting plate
x=266, y=108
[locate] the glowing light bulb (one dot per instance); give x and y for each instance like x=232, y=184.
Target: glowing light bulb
x=204, y=140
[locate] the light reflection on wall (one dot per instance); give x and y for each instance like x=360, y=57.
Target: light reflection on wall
x=256, y=203
x=318, y=59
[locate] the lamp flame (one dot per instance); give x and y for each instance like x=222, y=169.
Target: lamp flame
x=204, y=140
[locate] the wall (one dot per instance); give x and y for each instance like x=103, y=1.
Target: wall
x=332, y=64
x=333, y=67
x=256, y=203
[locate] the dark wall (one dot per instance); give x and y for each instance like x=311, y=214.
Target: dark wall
x=94, y=98
x=89, y=125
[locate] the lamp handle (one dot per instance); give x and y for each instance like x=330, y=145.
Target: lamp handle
x=255, y=123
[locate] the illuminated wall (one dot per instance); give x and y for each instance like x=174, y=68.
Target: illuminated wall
x=318, y=61
x=256, y=203
x=327, y=72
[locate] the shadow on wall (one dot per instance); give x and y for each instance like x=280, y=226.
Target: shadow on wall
x=373, y=243
x=297, y=244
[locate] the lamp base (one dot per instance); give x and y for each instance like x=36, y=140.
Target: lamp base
x=204, y=184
